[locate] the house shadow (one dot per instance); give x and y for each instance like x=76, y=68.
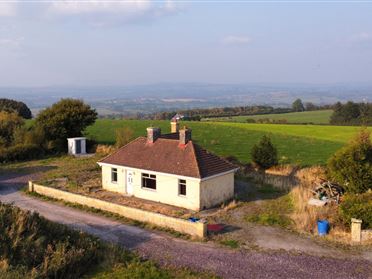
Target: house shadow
x=258, y=185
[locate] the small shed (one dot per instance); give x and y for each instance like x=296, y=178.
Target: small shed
x=77, y=146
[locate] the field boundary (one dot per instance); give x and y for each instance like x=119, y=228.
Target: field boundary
x=197, y=229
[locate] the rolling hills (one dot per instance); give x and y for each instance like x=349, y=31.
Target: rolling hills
x=297, y=144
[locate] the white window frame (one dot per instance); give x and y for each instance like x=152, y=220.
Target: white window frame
x=114, y=171
x=148, y=176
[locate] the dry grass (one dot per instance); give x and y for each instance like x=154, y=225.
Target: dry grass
x=311, y=175
x=282, y=170
x=305, y=216
x=231, y=205
x=104, y=149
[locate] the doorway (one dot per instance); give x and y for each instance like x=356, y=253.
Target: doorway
x=130, y=175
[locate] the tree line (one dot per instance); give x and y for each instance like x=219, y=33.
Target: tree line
x=352, y=114
x=198, y=113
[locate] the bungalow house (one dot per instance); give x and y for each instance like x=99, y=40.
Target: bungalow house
x=170, y=169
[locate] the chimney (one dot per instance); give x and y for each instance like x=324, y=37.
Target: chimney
x=185, y=135
x=175, y=126
x=153, y=134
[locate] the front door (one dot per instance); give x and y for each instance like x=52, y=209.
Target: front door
x=78, y=146
x=129, y=182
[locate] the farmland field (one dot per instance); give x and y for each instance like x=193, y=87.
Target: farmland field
x=314, y=117
x=297, y=144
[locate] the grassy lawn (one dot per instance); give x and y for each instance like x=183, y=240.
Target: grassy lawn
x=315, y=117
x=297, y=144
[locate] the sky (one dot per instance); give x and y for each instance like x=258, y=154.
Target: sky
x=114, y=43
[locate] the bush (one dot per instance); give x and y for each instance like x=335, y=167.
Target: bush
x=19, y=108
x=20, y=152
x=264, y=154
x=9, y=122
x=351, y=166
x=65, y=119
x=33, y=135
x=123, y=136
x=31, y=244
x=357, y=206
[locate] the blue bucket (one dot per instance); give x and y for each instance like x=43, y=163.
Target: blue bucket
x=193, y=219
x=323, y=227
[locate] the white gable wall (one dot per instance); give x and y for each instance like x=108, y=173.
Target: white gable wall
x=216, y=190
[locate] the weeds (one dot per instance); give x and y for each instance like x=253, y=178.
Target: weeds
x=230, y=243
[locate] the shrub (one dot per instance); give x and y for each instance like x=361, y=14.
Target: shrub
x=31, y=244
x=123, y=136
x=357, y=206
x=351, y=166
x=9, y=122
x=264, y=154
x=33, y=135
x=65, y=119
x=20, y=152
x=19, y=108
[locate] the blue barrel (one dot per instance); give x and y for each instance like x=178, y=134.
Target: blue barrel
x=323, y=227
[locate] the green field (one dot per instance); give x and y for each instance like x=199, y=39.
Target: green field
x=297, y=144
x=314, y=117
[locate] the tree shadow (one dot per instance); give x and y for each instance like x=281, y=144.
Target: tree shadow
x=17, y=178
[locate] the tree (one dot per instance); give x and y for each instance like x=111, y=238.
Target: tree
x=309, y=106
x=123, y=136
x=9, y=122
x=298, y=105
x=65, y=119
x=352, y=114
x=351, y=166
x=264, y=154
x=17, y=107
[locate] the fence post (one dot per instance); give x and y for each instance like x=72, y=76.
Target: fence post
x=30, y=186
x=356, y=230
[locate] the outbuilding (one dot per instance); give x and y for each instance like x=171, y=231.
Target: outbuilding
x=76, y=146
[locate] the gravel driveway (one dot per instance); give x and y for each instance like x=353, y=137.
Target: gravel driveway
x=170, y=251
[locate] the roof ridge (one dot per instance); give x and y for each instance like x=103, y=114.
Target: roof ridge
x=196, y=157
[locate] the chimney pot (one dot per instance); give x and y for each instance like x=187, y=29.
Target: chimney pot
x=153, y=134
x=185, y=136
x=175, y=126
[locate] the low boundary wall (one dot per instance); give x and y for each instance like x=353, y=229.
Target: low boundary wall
x=198, y=229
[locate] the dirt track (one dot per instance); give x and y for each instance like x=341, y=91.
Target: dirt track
x=167, y=250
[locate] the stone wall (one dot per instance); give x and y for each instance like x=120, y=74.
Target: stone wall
x=198, y=229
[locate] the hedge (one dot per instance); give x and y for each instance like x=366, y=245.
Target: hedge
x=20, y=152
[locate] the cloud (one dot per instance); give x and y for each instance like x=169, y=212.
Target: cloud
x=11, y=42
x=98, y=7
x=8, y=9
x=362, y=37
x=361, y=41
x=100, y=12
x=236, y=40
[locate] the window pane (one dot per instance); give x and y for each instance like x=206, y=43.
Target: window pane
x=149, y=181
x=182, y=187
x=114, y=175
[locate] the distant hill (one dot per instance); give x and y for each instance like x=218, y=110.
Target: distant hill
x=129, y=100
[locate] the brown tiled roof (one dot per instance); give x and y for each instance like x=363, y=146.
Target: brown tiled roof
x=167, y=156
